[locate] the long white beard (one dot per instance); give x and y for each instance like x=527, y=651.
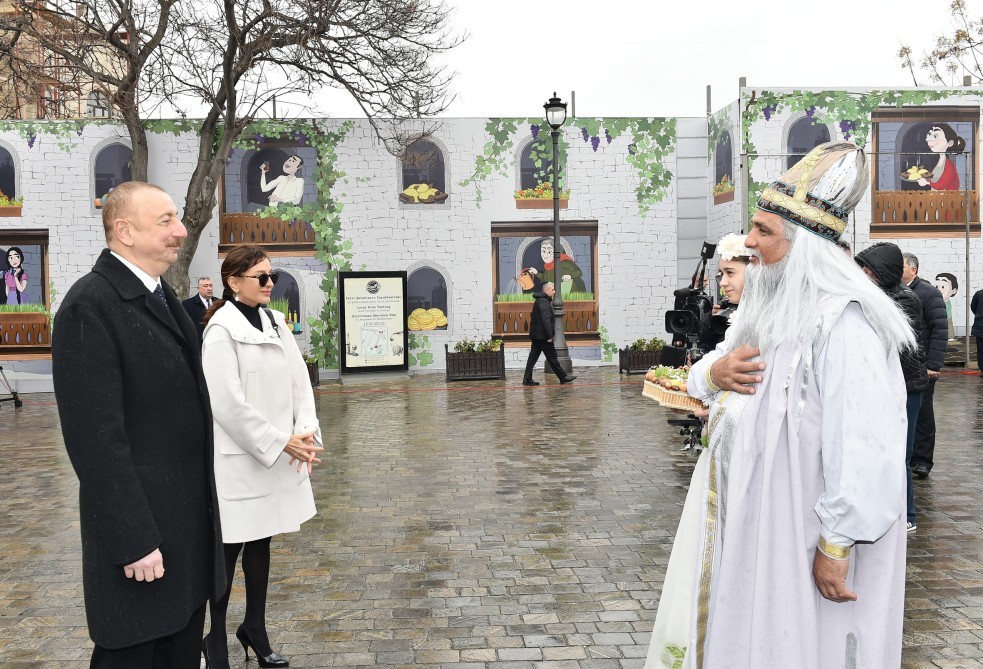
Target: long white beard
x=764, y=291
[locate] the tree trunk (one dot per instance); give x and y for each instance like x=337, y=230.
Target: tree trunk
x=129, y=108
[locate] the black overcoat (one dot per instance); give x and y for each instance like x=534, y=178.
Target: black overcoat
x=541, y=324
x=137, y=425
x=196, y=310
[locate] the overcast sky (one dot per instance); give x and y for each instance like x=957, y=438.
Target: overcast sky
x=655, y=58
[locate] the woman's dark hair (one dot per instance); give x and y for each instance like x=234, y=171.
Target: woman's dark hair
x=239, y=260
x=19, y=253
x=958, y=143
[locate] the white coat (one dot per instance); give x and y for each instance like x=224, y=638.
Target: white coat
x=261, y=395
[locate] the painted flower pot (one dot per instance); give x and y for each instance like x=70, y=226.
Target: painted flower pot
x=720, y=198
x=539, y=203
x=10, y=211
x=314, y=373
x=97, y=203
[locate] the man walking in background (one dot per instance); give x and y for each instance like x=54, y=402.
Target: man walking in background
x=934, y=340
x=541, y=330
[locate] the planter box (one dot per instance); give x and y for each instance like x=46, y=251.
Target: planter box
x=720, y=198
x=314, y=373
x=540, y=203
x=12, y=211
x=473, y=366
x=26, y=329
x=637, y=362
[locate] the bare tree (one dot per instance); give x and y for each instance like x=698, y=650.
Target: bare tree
x=67, y=52
x=959, y=52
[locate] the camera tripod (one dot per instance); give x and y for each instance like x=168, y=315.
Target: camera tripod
x=5, y=384
x=690, y=427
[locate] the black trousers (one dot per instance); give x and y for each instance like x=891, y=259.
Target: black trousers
x=543, y=346
x=181, y=650
x=924, y=449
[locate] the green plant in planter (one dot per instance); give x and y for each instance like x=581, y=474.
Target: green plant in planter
x=22, y=308
x=10, y=201
x=473, y=346
x=648, y=345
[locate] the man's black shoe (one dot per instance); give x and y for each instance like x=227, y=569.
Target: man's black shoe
x=530, y=383
x=569, y=379
x=920, y=471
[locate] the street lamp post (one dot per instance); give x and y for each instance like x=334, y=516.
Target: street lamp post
x=556, y=115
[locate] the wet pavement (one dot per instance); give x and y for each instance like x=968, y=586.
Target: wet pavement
x=478, y=525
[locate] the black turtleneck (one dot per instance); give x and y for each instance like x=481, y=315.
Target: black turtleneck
x=251, y=314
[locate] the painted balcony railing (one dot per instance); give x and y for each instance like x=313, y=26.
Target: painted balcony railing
x=918, y=209
x=24, y=330
x=512, y=318
x=272, y=234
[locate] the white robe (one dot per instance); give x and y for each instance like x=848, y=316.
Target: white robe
x=818, y=450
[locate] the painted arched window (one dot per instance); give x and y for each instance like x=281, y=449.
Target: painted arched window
x=112, y=168
x=723, y=159
x=423, y=163
x=426, y=289
x=286, y=296
x=536, y=165
x=803, y=137
x=8, y=175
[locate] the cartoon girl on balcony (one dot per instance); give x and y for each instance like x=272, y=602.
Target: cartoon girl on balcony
x=289, y=187
x=15, y=278
x=943, y=140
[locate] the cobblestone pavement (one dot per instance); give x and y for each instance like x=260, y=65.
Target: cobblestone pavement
x=478, y=524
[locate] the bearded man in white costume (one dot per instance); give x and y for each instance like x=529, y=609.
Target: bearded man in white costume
x=790, y=552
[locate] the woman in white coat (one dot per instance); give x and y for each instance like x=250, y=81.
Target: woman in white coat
x=266, y=440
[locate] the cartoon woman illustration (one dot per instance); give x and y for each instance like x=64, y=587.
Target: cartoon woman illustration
x=942, y=139
x=289, y=187
x=16, y=277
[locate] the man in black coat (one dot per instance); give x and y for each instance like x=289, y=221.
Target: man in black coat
x=198, y=304
x=541, y=330
x=137, y=425
x=934, y=339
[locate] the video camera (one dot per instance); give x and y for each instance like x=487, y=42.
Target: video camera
x=691, y=317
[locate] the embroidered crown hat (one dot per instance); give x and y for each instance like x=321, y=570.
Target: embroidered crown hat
x=819, y=192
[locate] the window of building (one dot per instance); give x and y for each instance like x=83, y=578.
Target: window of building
x=426, y=290
x=803, y=137
x=423, y=163
x=924, y=168
x=25, y=330
x=8, y=175
x=285, y=297
x=723, y=169
x=536, y=165
x=98, y=105
x=112, y=168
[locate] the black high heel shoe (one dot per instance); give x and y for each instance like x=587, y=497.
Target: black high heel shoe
x=271, y=660
x=221, y=659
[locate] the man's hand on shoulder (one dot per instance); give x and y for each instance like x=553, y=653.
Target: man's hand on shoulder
x=146, y=569
x=735, y=371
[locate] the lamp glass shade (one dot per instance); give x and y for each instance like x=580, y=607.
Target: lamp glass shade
x=556, y=112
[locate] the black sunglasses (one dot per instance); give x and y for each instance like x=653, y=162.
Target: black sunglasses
x=263, y=278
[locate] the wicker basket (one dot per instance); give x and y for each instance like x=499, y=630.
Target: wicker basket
x=672, y=399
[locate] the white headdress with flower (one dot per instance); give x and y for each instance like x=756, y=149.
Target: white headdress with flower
x=732, y=246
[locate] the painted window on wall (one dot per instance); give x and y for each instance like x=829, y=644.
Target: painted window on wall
x=803, y=137
x=424, y=177
x=426, y=300
x=285, y=298
x=112, y=168
x=536, y=165
x=8, y=174
x=24, y=299
x=924, y=171
x=723, y=169
x=524, y=260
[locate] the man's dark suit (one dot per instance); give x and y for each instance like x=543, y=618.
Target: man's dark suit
x=541, y=332
x=196, y=310
x=137, y=425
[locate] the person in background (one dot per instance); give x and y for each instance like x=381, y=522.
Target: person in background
x=977, y=306
x=933, y=340
x=541, y=330
x=884, y=264
x=267, y=438
x=137, y=425
x=198, y=304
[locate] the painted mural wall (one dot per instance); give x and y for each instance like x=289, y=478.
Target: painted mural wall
x=923, y=150
x=462, y=212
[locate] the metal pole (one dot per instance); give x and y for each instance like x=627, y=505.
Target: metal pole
x=966, y=323
x=559, y=339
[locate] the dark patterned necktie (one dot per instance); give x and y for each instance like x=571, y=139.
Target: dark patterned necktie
x=159, y=294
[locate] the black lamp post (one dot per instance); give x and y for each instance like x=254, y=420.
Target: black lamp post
x=556, y=115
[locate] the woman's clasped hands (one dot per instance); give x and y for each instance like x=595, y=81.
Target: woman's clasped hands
x=302, y=449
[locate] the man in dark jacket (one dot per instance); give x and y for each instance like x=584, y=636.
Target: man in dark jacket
x=884, y=264
x=137, y=424
x=977, y=332
x=541, y=330
x=934, y=338
x=198, y=304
